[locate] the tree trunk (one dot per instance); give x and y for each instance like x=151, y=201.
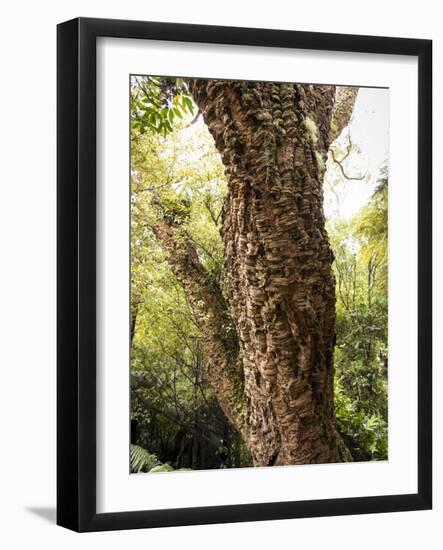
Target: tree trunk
x=273, y=374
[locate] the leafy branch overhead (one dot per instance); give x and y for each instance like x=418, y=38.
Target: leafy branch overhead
x=158, y=103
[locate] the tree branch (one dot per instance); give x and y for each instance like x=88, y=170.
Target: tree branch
x=340, y=162
x=345, y=97
x=194, y=120
x=342, y=170
x=222, y=364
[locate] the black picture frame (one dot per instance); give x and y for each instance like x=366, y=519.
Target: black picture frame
x=76, y=266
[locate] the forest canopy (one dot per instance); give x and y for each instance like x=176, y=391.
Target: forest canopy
x=183, y=184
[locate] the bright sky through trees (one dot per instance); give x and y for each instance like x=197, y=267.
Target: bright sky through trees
x=369, y=132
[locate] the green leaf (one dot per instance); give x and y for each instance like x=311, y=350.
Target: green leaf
x=142, y=460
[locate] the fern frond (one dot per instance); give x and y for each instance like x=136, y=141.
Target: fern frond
x=142, y=460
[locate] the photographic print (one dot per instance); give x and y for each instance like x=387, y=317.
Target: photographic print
x=244, y=268
x=259, y=273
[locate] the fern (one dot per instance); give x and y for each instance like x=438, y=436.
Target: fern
x=142, y=460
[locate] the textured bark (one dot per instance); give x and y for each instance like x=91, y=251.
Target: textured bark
x=222, y=366
x=276, y=382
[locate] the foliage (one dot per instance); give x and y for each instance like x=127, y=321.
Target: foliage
x=367, y=434
x=361, y=360
x=157, y=104
x=142, y=460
